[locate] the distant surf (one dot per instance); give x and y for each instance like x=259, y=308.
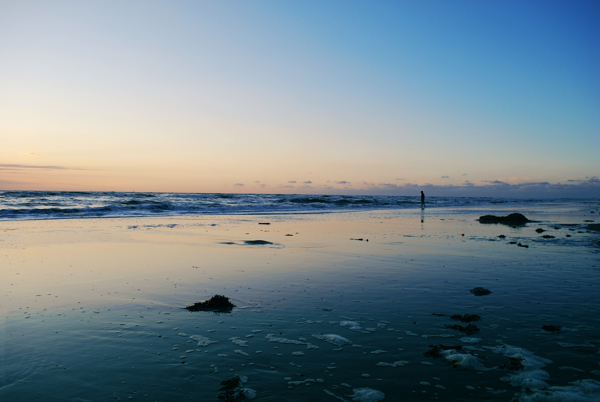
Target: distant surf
x=29, y=205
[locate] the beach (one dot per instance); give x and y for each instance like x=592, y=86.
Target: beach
x=351, y=305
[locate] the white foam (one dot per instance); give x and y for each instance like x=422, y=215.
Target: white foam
x=531, y=376
x=463, y=360
x=239, y=352
x=333, y=339
x=237, y=341
x=275, y=339
x=367, y=395
x=202, y=340
x=355, y=326
x=467, y=339
x=579, y=391
x=298, y=353
x=399, y=363
x=436, y=336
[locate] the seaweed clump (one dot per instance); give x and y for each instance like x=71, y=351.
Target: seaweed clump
x=435, y=351
x=514, y=364
x=232, y=390
x=469, y=329
x=466, y=317
x=511, y=219
x=217, y=304
x=479, y=291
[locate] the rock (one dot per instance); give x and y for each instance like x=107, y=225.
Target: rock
x=257, y=242
x=479, y=291
x=466, y=317
x=511, y=219
x=469, y=329
x=217, y=304
x=435, y=350
x=232, y=390
x=552, y=328
x=540, y=230
x=548, y=237
x=502, y=236
x=522, y=245
x=264, y=223
x=515, y=364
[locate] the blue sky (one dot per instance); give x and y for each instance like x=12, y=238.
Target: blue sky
x=267, y=96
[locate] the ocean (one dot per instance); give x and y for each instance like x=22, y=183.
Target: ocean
x=27, y=205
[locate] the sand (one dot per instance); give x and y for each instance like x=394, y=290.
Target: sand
x=93, y=309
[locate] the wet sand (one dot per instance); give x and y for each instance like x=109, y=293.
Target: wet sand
x=93, y=309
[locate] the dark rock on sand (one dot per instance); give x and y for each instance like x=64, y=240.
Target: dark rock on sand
x=435, y=351
x=466, y=317
x=479, y=291
x=552, y=328
x=264, y=223
x=217, y=304
x=502, y=236
x=512, y=242
x=522, y=245
x=511, y=219
x=595, y=227
x=547, y=237
x=232, y=390
x=540, y=230
x=257, y=242
x=514, y=364
x=469, y=329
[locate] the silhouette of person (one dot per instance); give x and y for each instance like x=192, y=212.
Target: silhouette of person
x=422, y=200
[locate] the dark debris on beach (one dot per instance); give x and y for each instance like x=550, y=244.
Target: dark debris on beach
x=470, y=329
x=511, y=219
x=216, y=304
x=479, y=291
x=466, y=317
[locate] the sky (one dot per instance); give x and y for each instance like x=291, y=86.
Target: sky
x=473, y=98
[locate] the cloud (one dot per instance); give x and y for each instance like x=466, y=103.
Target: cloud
x=31, y=155
x=292, y=181
x=495, y=188
x=400, y=179
x=445, y=177
x=238, y=185
x=13, y=166
x=307, y=182
x=342, y=182
x=464, y=174
x=495, y=182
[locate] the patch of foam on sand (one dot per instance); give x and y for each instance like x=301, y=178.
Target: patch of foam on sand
x=532, y=379
x=333, y=339
x=275, y=339
x=579, y=391
x=399, y=363
x=531, y=375
x=202, y=340
x=463, y=361
x=367, y=395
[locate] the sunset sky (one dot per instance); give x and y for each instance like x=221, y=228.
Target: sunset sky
x=334, y=97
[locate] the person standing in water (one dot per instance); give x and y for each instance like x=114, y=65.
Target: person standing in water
x=422, y=200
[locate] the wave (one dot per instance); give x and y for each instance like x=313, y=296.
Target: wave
x=28, y=205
